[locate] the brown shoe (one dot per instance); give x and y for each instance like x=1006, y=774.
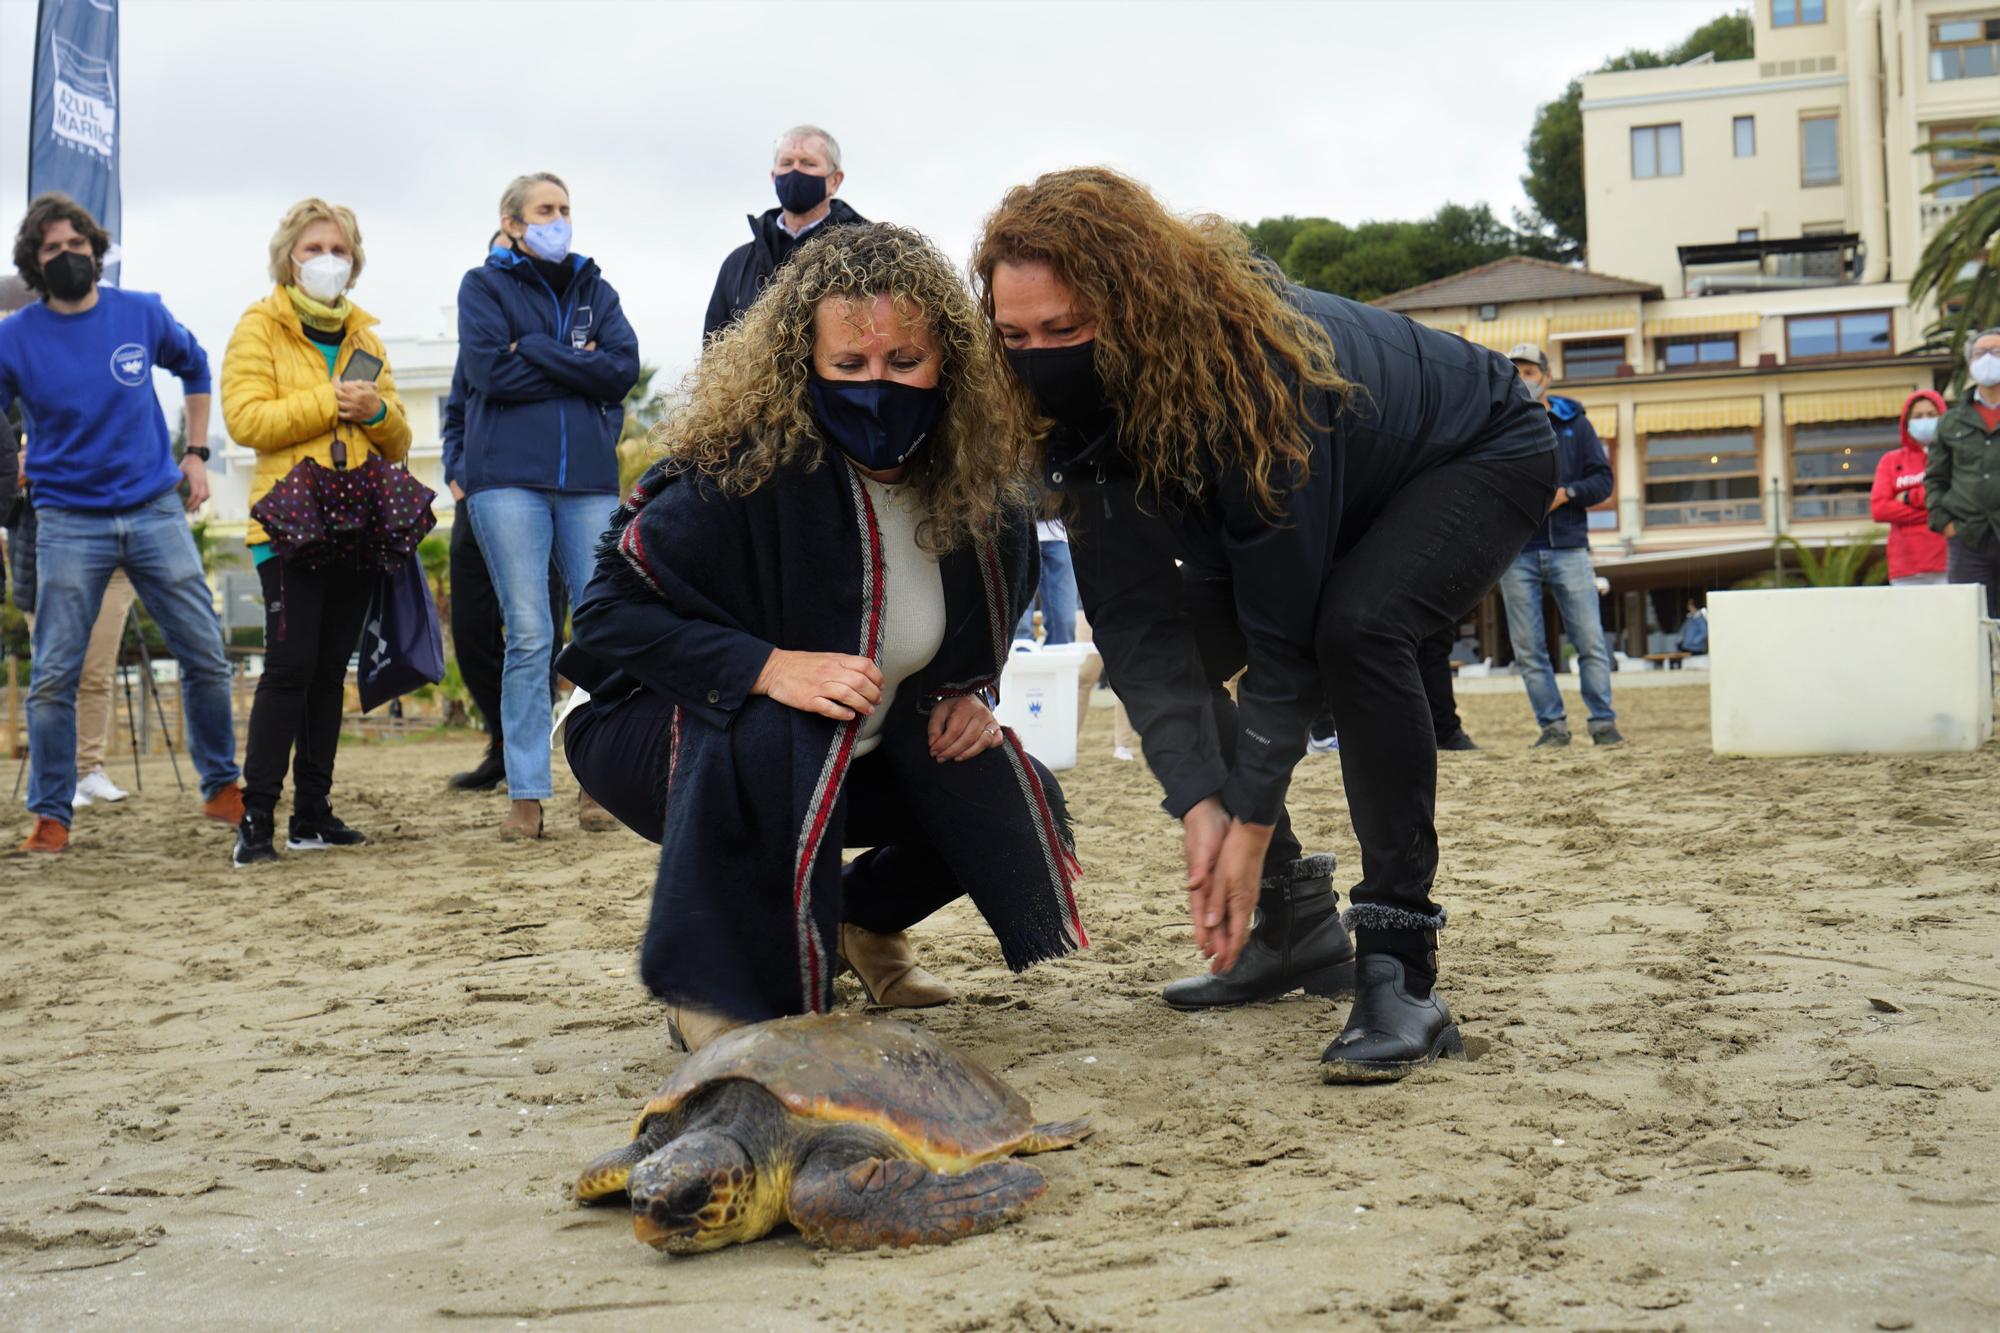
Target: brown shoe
x=592, y=817
x=226, y=806
x=50, y=835
x=523, y=822
x=690, y=1029
x=888, y=970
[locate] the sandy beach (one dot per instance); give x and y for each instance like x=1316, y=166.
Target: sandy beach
x=1730, y=1023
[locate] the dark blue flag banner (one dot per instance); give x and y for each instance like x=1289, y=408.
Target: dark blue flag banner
x=73, y=130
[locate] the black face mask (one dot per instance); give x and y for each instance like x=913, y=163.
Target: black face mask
x=799, y=192
x=877, y=423
x=1063, y=382
x=70, y=276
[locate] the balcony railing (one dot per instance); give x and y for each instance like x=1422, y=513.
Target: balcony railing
x=1932, y=214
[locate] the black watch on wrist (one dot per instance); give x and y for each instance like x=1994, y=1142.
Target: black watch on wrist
x=196, y=451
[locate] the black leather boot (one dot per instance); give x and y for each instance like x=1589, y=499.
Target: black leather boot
x=492, y=770
x=1389, y=1032
x=1297, y=943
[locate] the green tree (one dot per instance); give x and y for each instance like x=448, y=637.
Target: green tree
x=1554, y=182
x=1847, y=565
x=1377, y=258
x=1955, y=267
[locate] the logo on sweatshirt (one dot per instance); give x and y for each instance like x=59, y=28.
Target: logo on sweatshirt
x=131, y=366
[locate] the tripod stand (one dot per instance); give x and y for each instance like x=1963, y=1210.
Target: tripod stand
x=132, y=634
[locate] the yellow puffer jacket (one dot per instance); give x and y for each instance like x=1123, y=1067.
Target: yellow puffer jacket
x=278, y=399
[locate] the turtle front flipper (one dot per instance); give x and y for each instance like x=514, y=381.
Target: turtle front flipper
x=848, y=1205
x=1057, y=1134
x=604, y=1179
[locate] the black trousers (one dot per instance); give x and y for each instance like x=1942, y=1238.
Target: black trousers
x=1417, y=567
x=476, y=623
x=1434, y=665
x=1966, y=563
x=619, y=753
x=312, y=624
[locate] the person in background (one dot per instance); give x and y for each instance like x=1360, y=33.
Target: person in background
x=476, y=638
x=1693, y=638
x=1557, y=559
x=1962, y=475
x=282, y=396
x=791, y=642
x=1057, y=592
x=1434, y=664
x=548, y=359
x=1916, y=554
x=107, y=496
x=805, y=171
x=1293, y=484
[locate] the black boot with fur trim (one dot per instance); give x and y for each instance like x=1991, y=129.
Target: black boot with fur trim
x=1399, y=1022
x=1297, y=943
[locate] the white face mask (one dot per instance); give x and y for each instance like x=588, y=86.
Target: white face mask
x=1924, y=429
x=1986, y=369
x=324, y=277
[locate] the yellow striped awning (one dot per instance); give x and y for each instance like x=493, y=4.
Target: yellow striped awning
x=1599, y=323
x=1702, y=414
x=1503, y=335
x=1883, y=404
x=1683, y=325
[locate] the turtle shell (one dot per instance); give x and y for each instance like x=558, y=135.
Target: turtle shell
x=860, y=1069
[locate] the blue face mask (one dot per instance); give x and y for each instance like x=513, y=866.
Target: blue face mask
x=799, y=192
x=1923, y=429
x=877, y=423
x=549, y=240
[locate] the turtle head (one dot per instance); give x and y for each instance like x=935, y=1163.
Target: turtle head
x=697, y=1193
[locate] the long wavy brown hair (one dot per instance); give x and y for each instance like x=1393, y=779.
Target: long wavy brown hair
x=746, y=413
x=1196, y=343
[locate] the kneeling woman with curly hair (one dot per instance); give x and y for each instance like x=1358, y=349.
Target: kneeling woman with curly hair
x=796, y=623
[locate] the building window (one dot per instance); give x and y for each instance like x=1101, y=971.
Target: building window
x=1823, y=337
x=1489, y=311
x=1746, y=136
x=1965, y=48
x=1700, y=353
x=1833, y=466
x=1791, y=13
x=1819, y=139
x=1746, y=234
x=1656, y=151
x=1702, y=478
x=1592, y=358
x=1965, y=173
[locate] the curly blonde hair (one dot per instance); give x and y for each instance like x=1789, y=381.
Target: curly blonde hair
x=1196, y=343
x=745, y=412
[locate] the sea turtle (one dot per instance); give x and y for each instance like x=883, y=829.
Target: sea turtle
x=858, y=1130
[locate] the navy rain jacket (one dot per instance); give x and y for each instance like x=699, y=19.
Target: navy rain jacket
x=544, y=416
x=1586, y=475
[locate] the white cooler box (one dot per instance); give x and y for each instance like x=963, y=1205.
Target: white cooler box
x=1038, y=699
x=1800, y=671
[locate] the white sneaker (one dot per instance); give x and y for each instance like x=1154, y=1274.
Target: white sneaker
x=97, y=786
x=78, y=801
x=1121, y=754
x=1314, y=745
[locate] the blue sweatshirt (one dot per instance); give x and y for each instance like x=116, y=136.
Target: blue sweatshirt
x=98, y=440
x=1586, y=475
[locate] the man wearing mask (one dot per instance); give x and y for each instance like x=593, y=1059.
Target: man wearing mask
x=1557, y=558
x=1960, y=480
x=107, y=498
x=805, y=171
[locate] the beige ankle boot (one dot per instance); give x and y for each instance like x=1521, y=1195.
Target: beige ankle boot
x=592, y=817
x=690, y=1029
x=888, y=970
x=523, y=822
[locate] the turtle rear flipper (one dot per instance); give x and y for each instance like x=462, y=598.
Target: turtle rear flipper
x=859, y=1205
x=604, y=1179
x=1057, y=1134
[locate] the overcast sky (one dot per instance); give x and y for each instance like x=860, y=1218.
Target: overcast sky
x=660, y=116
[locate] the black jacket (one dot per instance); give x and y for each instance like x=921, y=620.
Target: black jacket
x=1423, y=399
x=751, y=264
x=1586, y=475
x=1962, y=474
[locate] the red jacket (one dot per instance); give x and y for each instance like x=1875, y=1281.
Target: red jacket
x=1913, y=547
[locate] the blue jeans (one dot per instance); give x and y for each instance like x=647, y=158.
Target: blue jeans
x=75, y=553
x=519, y=530
x=1058, y=599
x=1568, y=575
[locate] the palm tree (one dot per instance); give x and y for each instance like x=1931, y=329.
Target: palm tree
x=1954, y=267
x=1849, y=565
x=643, y=410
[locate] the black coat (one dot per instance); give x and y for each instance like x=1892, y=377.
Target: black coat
x=693, y=589
x=1424, y=399
x=751, y=264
